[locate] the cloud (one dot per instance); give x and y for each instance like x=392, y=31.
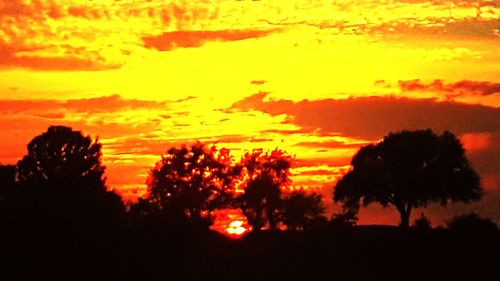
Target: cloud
x=60, y=36
x=484, y=88
x=197, y=38
x=374, y=117
x=430, y=27
x=459, y=3
x=468, y=28
x=87, y=12
x=19, y=54
x=108, y=117
x=315, y=162
x=258, y=82
x=483, y=150
x=299, y=131
x=15, y=8
x=237, y=139
x=111, y=103
x=12, y=61
x=331, y=144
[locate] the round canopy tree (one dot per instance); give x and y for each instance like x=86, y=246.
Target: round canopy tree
x=410, y=169
x=187, y=184
x=62, y=157
x=63, y=176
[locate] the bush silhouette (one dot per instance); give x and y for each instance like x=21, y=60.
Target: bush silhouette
x=472, y=223
x=409, y=169
x=423, y=222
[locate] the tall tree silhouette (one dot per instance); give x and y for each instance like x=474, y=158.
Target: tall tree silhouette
x=409, y=169
x=61, y=206
x=63, y=176
x=301, y=210
x=265, y=175
x=187, y=184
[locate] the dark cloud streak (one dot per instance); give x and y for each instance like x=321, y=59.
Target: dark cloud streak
x=111, y=103
x=196, y=38
x=374, y=117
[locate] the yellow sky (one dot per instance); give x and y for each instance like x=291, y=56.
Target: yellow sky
x=144, y=75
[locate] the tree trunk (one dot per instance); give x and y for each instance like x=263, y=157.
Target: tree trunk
x=404, y=210
x=270, y=218
x=257, y=225
x=405, y=219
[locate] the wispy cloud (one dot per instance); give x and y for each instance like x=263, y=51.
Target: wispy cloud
x=85, y=36
x=459, y=88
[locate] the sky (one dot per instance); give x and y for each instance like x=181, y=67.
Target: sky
x=318, y=79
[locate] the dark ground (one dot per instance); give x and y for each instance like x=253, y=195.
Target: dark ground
x=325, y=253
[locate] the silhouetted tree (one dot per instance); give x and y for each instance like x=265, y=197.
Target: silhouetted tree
x=187, y=184
x=61, y=211
x=265, y=175
x=62, y=156
x=62, y=176
x=300, y=210
x=409, y=169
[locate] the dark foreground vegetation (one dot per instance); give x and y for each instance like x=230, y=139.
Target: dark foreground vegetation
x=59, y=220
x=350, y=253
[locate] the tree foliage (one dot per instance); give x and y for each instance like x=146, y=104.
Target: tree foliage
x=265, y=174
x=409, y=169
x=62, y=157
x=301, y=210
x=62, y=178
x=188, y=183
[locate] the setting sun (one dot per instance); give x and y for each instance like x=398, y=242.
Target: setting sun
x=236, y=228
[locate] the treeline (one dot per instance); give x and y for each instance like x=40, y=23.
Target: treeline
x=63, y=172
x=63, y=175
x=59, y=220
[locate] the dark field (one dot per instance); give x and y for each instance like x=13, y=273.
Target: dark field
x=144, y=252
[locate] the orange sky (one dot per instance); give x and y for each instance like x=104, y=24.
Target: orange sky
x=315, y=78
